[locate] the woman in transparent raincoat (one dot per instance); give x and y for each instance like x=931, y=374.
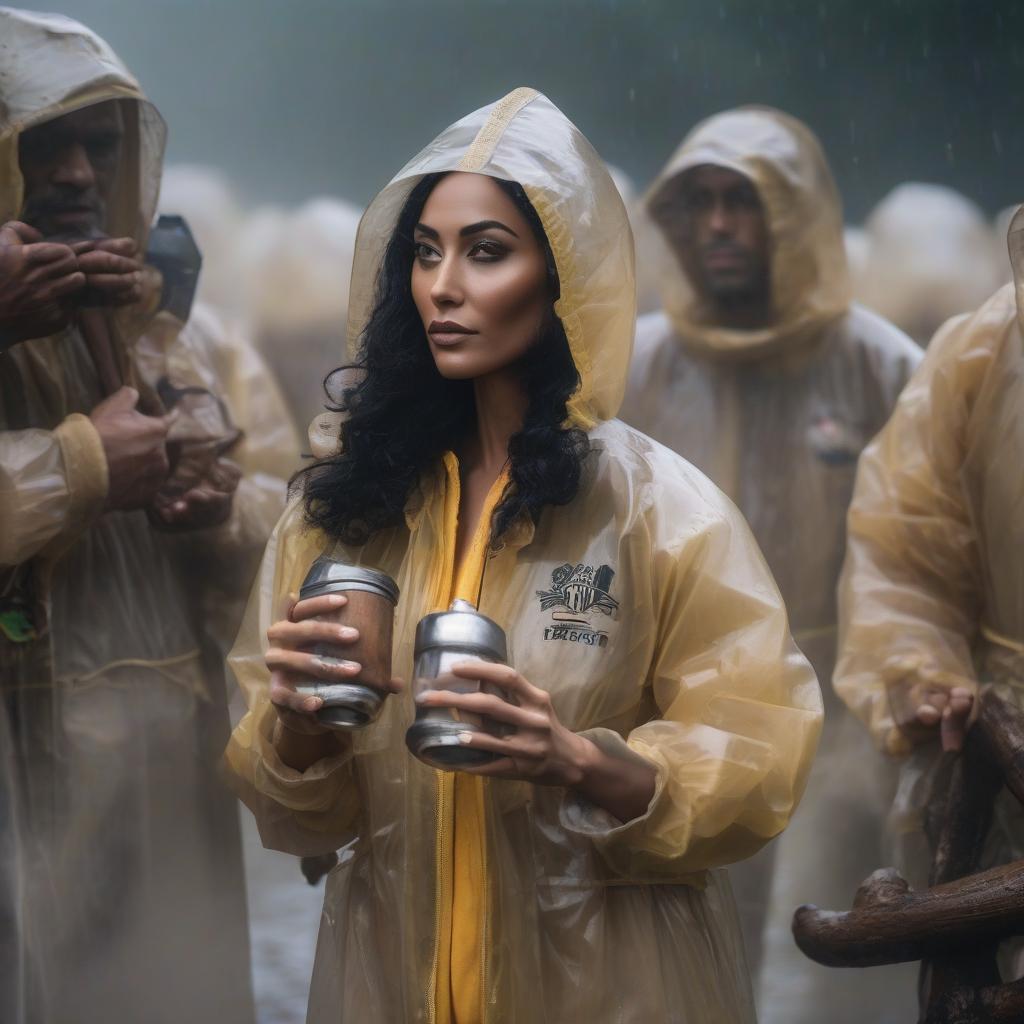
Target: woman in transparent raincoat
x=932, y=593
x=521, y=897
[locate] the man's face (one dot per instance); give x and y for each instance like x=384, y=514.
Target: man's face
x=69, y=166
x=716, y=225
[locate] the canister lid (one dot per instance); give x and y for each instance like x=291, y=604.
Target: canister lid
x=329, y=576
x=462, y=627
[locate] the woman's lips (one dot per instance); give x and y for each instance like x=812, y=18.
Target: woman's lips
x=447, y=332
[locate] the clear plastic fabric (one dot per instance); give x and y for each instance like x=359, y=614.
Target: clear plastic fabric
x=932, y=589
x=690, y=667
x=777, y=417
x=132, y=898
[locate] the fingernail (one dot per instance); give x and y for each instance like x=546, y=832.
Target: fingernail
x=422, y=698
x=312, y=703
x=348, y=633
x=465, y=737
x=327, y=661
x=337, y=600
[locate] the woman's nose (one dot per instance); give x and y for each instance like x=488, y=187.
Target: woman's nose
x=447, y=289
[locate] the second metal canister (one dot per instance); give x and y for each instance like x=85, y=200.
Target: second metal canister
x=444, y=639
x=372, y=596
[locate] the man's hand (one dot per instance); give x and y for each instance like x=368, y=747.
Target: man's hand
x=37, y=279
x=206, y=503
x=921, y=711
x=135, y=448
x=113, y=275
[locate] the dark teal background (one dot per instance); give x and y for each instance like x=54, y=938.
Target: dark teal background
x=311, y=96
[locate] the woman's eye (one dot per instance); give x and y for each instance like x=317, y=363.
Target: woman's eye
x=424, y=252
x=487, y=251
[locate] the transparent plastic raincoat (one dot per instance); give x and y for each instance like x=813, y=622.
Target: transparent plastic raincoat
x=933, y=586
x=132, y=895
x=777, y=417
x=691, y=667
x=15, y=963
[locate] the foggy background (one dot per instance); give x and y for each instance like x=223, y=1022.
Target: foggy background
x=333, y=96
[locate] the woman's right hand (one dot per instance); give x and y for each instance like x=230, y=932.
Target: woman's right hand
x=291, y=664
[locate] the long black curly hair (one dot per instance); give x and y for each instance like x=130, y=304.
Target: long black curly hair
x=402, y=415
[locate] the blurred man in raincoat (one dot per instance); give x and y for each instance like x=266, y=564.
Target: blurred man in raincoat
x=761, y=372
x=122, y=523
x=932, y=601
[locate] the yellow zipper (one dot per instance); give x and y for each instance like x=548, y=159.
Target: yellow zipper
x=444, y=836
x=443, y=890
x=485, y=933
x=444, y=833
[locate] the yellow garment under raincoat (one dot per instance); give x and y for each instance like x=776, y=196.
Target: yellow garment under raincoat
x=933, y=586
x=777, y=417
x=132, y=897
x=688, y=664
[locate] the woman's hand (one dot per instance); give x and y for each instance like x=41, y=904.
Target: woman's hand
x=920, y=710
x=540, y=749
x=301, y=739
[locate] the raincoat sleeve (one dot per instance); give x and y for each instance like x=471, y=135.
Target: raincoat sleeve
x=52, y=485
x=910, y=591
x=739, y=712
x=303, y=813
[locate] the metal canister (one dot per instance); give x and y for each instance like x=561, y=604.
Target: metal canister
x=444, y=639
x=372, y=596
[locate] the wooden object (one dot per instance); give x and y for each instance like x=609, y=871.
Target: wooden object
x=955, y=926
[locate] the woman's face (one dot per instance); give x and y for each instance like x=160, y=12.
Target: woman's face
x=479, y=278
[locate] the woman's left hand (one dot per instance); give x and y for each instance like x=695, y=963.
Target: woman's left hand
x=540, y=750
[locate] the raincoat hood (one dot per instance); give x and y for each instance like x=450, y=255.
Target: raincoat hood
x=809, y=279
x=525, y=138
x=51, y=65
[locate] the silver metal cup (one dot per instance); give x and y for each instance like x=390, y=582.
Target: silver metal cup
x=443, y=640
x=372, y=596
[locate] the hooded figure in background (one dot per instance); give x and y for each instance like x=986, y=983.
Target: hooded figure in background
x=576, y=915
x=932, y=599
x=930, y=257
x=205, y=198
x=761, y=372
x=295, y=268
x=130, y=499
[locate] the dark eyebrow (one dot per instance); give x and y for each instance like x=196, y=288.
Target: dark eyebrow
x=486, y=225
x=469, y=229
